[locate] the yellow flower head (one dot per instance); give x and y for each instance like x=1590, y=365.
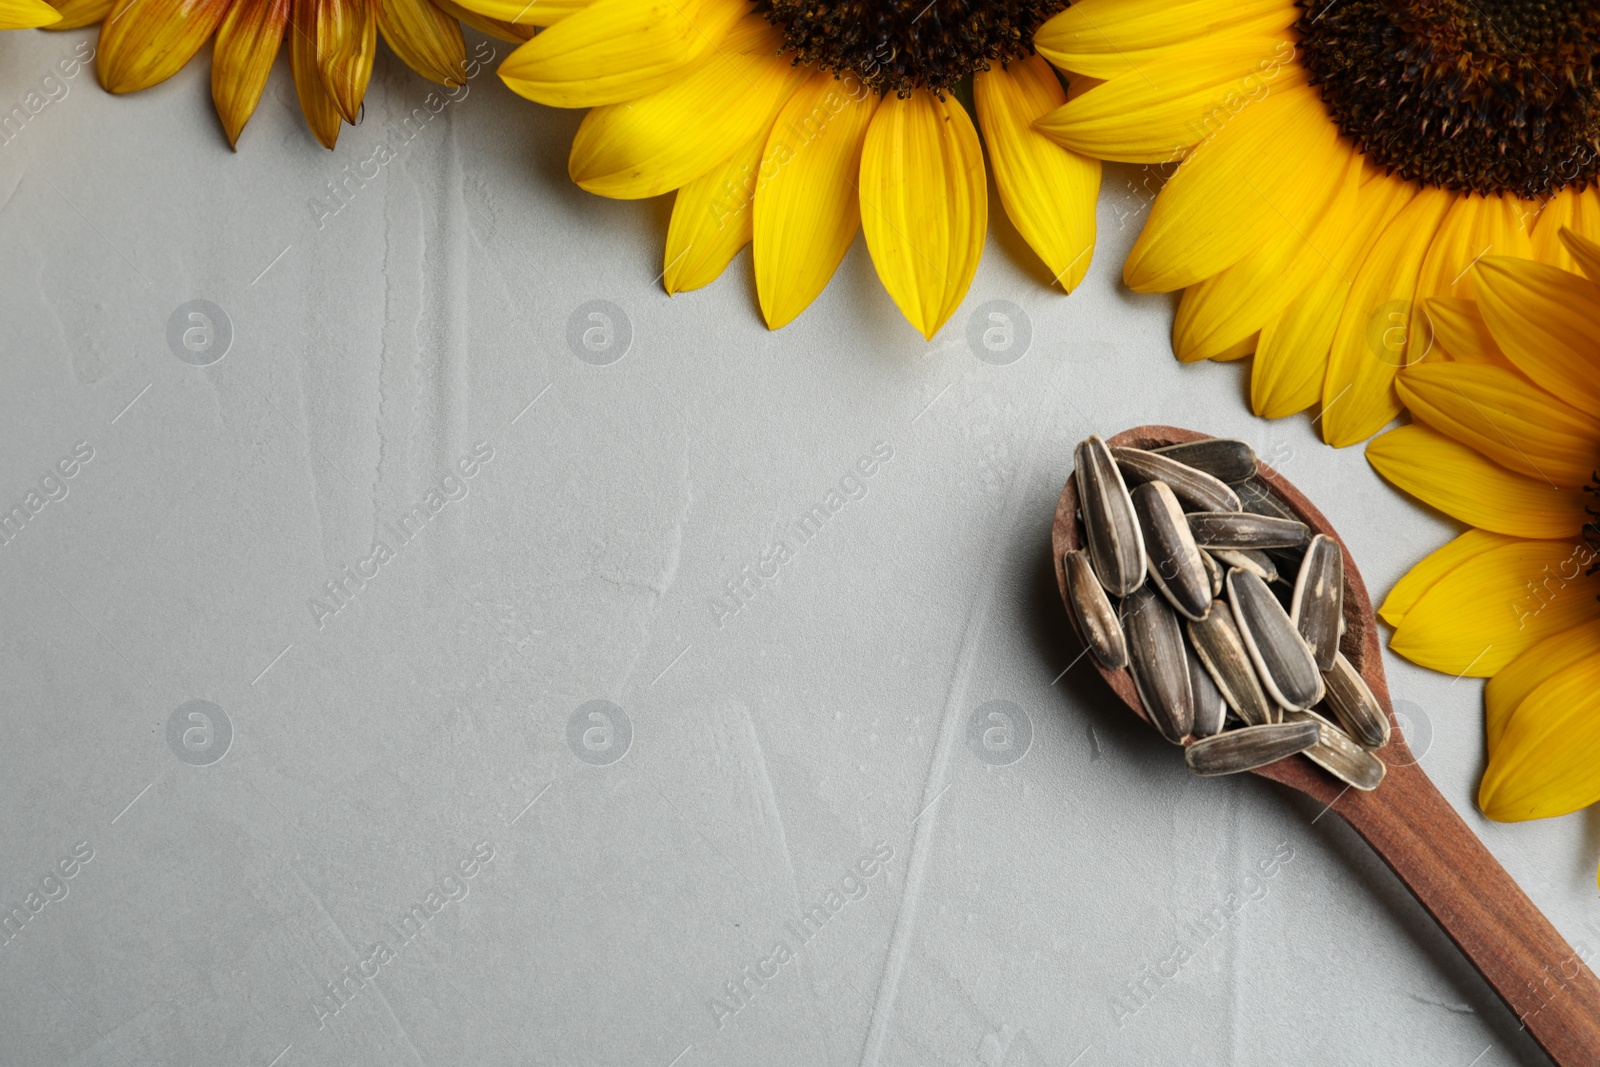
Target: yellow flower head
x=1506, y=438
x=792, y=125
x=1320, y=170
x=332, y=44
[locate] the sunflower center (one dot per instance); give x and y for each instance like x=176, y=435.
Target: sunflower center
x=900, y=45
x=1483, y=96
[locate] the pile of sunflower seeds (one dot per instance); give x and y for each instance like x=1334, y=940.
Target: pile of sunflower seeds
x=1227, y=613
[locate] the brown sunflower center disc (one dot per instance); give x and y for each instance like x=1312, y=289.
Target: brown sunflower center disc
x=1483, y=96
x=900, y=45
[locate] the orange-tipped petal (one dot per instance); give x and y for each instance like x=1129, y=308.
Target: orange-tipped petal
x=247, y=43
x=144, y=42
x=322, y=115
x=347, y=41
x=425, y=38
x=924, y=204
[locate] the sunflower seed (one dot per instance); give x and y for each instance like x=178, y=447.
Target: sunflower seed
x=1336, y=753
x=1216, y=642
x=1260, y=500
x=1247, y=559
x=1353, y=704
x=1319, y=599
x=1193, y=487
x=1223, y=458
x=1250, y=747
x=1160, y=667
x=1096, y=619
x=1213, y=573
x=1210, y=710
x=1280, y=654
x=1241, y=529
x=1115, y=546
x=1173, y=560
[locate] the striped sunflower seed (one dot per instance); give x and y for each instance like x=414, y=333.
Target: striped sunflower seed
x=1339, y=755
x=1194, y=487
x=1210, y=710
x=1116, y=548
x=1223, y=458
x=1250, y=747
x=1247, y=559
x=1213, y=573
x=1172, y=558
x=1318, y=603
x=1241, y=529
x=1159, y=664
x=1282, y=659
x=1353, y=704
x=1217, y=643
x=1260, y=500
x=1096, y=619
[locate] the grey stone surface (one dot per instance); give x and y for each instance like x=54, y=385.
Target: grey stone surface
x=809, y=739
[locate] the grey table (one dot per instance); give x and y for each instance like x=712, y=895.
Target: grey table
x=586, y=769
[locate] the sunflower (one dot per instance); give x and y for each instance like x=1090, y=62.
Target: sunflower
x=1326, y=168
x=1506, y=438
x=791, y=124
x=332, y=44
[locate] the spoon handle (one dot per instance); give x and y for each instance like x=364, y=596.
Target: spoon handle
x=1546, y=984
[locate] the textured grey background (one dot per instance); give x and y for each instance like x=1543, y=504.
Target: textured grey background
x=769, y=751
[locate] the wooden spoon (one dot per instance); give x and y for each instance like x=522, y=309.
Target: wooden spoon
x=1409, y=824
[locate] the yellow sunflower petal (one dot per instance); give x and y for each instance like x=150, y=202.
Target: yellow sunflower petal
x=1486, y=612
x=1105, y=38
x=711, y=220
x=1501, y=414
x=1222, y=202
x=924, y=204
x=247, y=44
x=614, y=50
x=1435, y=565
x=656, y=144
x=1358, y=396
x=1473, y=228
x=322, y=115
x=1568, y=209
x=807, y=209
x=147, y=41
x=1156, y=115
x=512, y=33
x=425, y=38
x=1512, y=684
x=347, y=42
x=1585, y=252
x=1227, y=307
x=1460, y=332
x=1464, y=484
x=26, y=14
x=1292, y=358
x=78, y=13
x=1548, y=761
x=1544, y=320
x=1048, y=192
